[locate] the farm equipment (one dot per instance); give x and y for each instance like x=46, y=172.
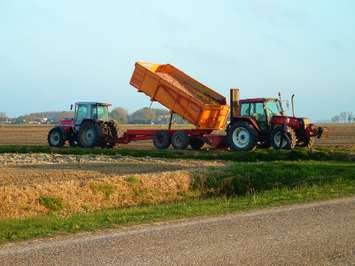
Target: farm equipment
x=262, y=122
x=252, y=122
x=90, y=127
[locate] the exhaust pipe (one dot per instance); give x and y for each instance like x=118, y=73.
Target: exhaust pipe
x=293, y=105
x=234, y=103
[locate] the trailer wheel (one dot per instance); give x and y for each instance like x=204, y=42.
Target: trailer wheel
x=180, y=140
x=161, y=140
x=197, y=143
x=56, y=137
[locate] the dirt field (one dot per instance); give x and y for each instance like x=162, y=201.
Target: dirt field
x=87, y=183
x=341, y=135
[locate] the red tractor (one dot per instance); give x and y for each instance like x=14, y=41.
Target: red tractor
x=90, y=127
x=262, y=122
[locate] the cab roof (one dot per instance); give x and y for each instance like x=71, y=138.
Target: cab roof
x=257, y=100
x=93, y=103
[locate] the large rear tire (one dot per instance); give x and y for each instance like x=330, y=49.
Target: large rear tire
x=281, y=138
x=242, y=136
x=89, y=134
x=180, y=140
x=161, y=140
x=56, y=137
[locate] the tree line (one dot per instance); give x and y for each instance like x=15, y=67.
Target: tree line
x=344, y=117
x=119, y=114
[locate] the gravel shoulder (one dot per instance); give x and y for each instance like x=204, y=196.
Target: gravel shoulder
x=25, y=169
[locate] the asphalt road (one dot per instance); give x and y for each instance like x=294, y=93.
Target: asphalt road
x=311, y=234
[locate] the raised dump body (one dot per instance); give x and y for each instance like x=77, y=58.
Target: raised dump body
x=183, y=95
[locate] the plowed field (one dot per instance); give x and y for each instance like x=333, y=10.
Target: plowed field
x=340, y=135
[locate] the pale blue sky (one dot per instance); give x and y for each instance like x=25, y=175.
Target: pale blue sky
x=53, y=53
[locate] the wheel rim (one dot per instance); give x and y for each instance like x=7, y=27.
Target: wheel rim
x=55, y=138
x=279, y=140
x=241, y=137
x=178, y=141
x=89, y=136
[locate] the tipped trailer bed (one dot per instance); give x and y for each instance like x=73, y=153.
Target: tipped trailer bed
x=182, y=95
x=193, y=101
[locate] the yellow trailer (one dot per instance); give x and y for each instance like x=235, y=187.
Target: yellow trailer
x=183, y=95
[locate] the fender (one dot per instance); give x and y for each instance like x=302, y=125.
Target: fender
x=249, y=120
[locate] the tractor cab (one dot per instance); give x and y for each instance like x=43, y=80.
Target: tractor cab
x=262, y=110
x=90, y=110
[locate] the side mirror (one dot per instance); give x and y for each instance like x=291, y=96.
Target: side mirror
x=71, y=107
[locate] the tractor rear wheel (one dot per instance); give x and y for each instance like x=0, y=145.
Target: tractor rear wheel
x=56, y=137
x=281, y=138
x=180, y=140
x=89, y=134
x=242, y=136
x=161, y=140
x=197, y=143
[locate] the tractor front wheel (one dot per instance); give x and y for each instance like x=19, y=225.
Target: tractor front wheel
x=242, y=137
x=309, y=142
x=282, y=138
x=56, y=137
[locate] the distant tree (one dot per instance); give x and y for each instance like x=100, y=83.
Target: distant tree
x=120, y=115
x=3, y=117
x=336, y=119
x=343, y=116
x=142, y=116
x=350, y=117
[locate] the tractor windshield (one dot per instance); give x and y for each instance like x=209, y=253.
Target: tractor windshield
x=100, y=112
x=273, y=107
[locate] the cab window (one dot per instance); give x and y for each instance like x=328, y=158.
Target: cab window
x=82, y=113
x=273, y=108
x=257, y=111
x=245, y=109
x=100, y=112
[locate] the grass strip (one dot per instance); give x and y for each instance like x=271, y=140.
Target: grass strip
x=22, y=229
x=258, y=155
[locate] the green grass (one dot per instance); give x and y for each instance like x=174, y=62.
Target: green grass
x=243, y=178
x=51, y=203
x=234, y=188
x=21, y=229
x=105, y=189
x=258, y=155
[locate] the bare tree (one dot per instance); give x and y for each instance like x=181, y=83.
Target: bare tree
x=350, y=117
x=343, y=116
x=3, y=117
x=120, y=115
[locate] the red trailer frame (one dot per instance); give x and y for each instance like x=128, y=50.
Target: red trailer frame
x=148, y=134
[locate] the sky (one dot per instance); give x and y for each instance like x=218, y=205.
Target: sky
x=54, y=53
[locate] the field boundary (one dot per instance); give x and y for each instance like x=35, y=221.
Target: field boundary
x=258, y=155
